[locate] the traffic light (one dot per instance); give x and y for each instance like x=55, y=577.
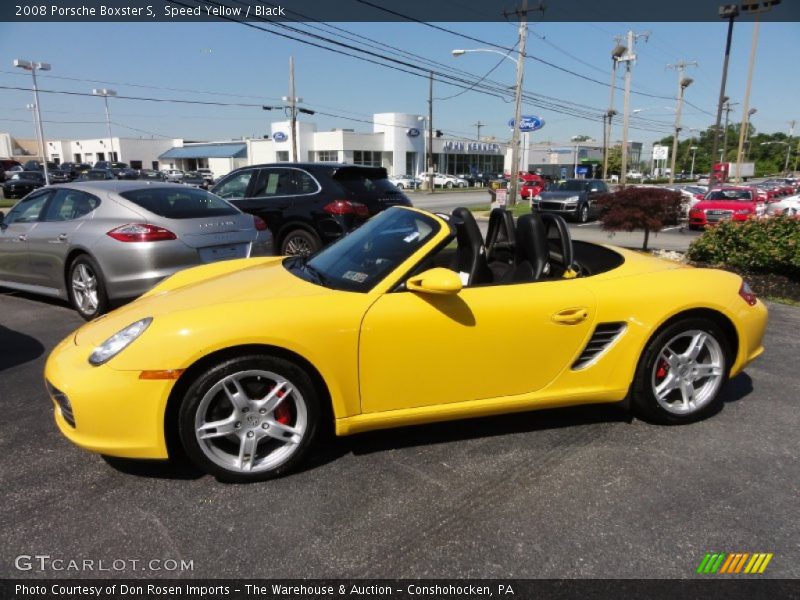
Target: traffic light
x=439, y=133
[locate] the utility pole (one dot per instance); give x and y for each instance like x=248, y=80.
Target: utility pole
x=792, y=123
x=683, y=83
x=728, y=108
x=478, y=125
x=105, y=93
x=628, y=58
x=730, y=12
x=618, y=51
x=430, y=133
x=292, y=99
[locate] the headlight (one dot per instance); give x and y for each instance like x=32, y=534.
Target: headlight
x=572, y=200
x=118, y=342
x=537, y=197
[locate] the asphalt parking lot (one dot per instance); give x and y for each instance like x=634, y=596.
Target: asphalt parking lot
x=582, y=492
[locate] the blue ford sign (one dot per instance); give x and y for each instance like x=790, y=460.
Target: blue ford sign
x=279, y=136
x=528, y=123
x=413, y=132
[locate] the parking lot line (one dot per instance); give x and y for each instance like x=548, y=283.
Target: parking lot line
x=594, y=224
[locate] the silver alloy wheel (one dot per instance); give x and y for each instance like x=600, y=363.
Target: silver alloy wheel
x=584, y=215
x=688, y=372
x=243, y=434
x=84, y=288
x=297, y=246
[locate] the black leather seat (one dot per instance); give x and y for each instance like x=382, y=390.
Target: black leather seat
x=532, y=256
x=500, y=238
x=470, y=255
x=558, y=235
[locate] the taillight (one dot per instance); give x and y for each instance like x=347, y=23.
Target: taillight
x=261, y=224
x=747, y=294
x=140, y=232
x=346, y=207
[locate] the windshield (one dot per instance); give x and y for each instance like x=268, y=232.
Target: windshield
x=97, y=175
x=177, y=202
x=743, y=195
x=358, y=261
x=571, y=186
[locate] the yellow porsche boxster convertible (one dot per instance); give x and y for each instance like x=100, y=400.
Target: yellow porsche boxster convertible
x=412, y=318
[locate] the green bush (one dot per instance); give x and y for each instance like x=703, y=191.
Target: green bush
x=765, y=245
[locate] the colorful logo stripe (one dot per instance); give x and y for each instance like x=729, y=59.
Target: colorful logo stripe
x=734, y=563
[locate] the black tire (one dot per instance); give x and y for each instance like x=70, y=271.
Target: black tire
x=93, y=301
x=582, y=215
x=196, y=399
x=449, y=185
x=300, y=242
x=652, y=363
x=399, y=186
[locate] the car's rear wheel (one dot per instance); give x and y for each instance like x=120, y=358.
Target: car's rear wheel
x=86, y=287
x=300, y=242
x=399, y=186
x=681, y=373
x=449, y=185
x=249, y=418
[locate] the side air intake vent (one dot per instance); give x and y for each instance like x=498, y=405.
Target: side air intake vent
x=604, y=335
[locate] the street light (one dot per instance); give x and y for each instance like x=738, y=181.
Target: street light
x=34, y=66
x=513, y=183
x=105, y=94
x=729, y=12
x=750, y=113
x=616, y=53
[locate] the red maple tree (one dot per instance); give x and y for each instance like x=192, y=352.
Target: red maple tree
x=646, y=208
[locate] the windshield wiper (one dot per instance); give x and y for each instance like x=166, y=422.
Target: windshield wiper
x=318, y=275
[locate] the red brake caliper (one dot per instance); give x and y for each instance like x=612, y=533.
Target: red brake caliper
x=283, y=414
x=663, y=367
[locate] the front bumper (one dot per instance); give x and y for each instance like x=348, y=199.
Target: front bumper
x=114, y=412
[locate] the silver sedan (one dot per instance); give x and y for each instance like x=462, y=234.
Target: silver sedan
x=96, y=242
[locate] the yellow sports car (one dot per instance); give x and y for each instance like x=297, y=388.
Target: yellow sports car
x=412, y=318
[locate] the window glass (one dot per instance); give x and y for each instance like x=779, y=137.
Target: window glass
x=283, y=182
x=282, y=156
x=327, y=156
x=70, y=204
x=234, y=186
x=27, y=210
x=188, y=203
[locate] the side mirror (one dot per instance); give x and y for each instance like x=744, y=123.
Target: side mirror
x=439, y=281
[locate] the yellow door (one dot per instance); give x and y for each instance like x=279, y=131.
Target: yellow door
x=485, y=342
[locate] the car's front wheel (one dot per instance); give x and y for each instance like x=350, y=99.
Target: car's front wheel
x=249, y=418
x=681, y=373
x=399, y=186
x=583, y=214
x=300, y=242
x=449, y=185
x=87, y=288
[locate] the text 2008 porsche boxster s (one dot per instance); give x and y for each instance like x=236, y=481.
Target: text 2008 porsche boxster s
x=410, y=319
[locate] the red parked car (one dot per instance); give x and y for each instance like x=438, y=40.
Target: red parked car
x=726, y=204
x=531, y=185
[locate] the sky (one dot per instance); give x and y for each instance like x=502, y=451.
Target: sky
x=232, y=63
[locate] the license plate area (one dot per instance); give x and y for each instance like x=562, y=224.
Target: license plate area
x=224, y=252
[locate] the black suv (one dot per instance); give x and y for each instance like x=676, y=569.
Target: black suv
x=573, y=198
x=309, y=205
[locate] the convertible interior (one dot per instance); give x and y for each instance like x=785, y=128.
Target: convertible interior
x=537, y=248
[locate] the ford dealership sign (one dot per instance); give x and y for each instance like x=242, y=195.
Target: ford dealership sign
x=413, y=132
x=528, y=123
x=279, y=136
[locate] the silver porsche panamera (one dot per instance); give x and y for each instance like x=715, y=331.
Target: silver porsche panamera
x=92, y=243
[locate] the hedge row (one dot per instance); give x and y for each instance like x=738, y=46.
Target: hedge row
x=764, y=245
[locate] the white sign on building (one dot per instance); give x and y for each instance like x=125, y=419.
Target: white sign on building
x=660, y=152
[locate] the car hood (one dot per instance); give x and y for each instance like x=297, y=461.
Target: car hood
x=216, y=284
x=559, y=195
x=724, y=205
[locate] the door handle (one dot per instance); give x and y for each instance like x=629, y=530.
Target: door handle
x=62, y=237
x=22, y=237
x=570, y=316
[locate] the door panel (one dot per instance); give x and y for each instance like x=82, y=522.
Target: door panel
x=14, y=232
x=50, y=243
x=485, y=342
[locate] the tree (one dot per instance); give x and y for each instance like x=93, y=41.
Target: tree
x=615, y=160
x=646, y=208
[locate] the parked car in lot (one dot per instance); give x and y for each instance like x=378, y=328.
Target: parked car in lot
x=22, y=183
x=173, y=175
x=725, y=204
x=74, y=170
x=574, y=199
x=531, y=185
x=444, y=180
x=207, y=175
x=128, y=173
x=113, y=166
x=97, y=175
x=95, y=242
x=405, y=182
x=310, y=205
x=59, y=176
x=150, y=175
x=194, y=179
x=6, y=166
x=245, y=365
x=788, y=207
